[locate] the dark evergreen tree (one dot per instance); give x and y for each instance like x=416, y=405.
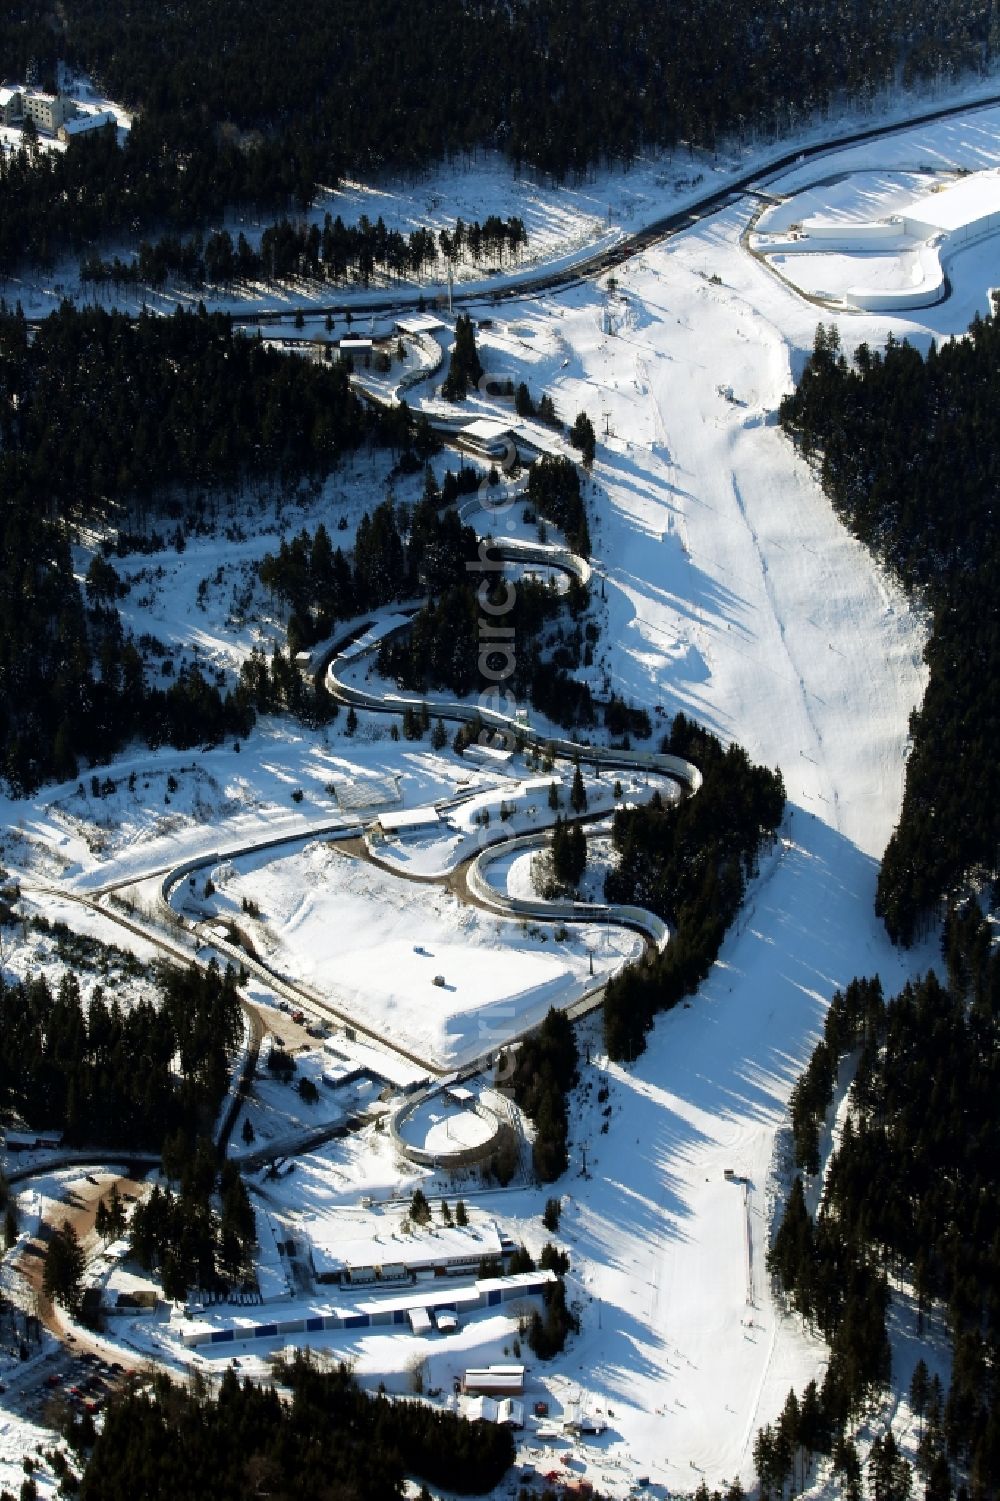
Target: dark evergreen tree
x=583, y=437
x=62, y=1276
x=689, y=861
x=465, y=368
x=578, y=793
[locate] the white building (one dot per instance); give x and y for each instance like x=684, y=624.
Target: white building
x=487, y=437
x=409, y=821
x=418, y=323
x=433, y=1251
x=494, y=1381
x=48, y=111
x=360, y=350
x=85, y=123
x=505, y=1411
x=965, y=211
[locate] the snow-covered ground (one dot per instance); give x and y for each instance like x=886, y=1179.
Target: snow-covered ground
x=734, y=595
x=564, y=221
x=422, y=969
x=518, y=806
x=730, y=592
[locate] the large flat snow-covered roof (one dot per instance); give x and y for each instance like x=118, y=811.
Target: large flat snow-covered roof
x=83, y=123
x=970, y=199
x=485, y=429
x=410, y=818
x=419, y=323
x=435, y=1247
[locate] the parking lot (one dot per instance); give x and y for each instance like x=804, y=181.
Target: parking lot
x=83, y=1382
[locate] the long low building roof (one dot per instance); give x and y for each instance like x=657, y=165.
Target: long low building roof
x=83, y=123
x=966, y=201
x=424, y=1248
x=409, y=818
x=419, y=323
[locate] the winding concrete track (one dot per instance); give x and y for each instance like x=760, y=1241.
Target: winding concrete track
x=652, y=928
x=331, y=665
x=610, y=257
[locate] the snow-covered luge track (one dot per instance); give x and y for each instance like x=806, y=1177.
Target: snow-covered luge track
x=652, y=927
x=454, y=710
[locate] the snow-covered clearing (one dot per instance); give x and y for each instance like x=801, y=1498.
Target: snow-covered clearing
x=19, y=1437
x=412, y=962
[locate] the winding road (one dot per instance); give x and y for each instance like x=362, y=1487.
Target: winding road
x=609, y=258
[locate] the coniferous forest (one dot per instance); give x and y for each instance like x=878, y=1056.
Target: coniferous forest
x=114, y=420
x=238, y=108
x=331, y=1442
x=441, y=652
x=108, y=1075
x=908, y=449
x=331, y=254
x=399, y=553
x=911, y=1192
x=545, y=1071
x=689, y=862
